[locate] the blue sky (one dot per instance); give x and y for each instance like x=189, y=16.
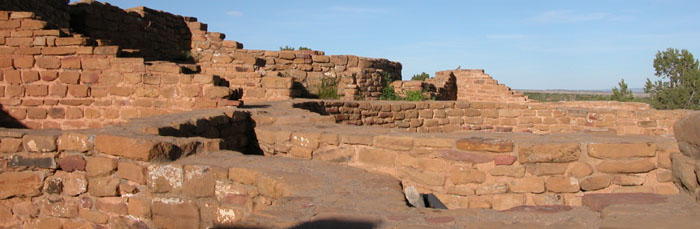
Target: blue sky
x=524, y=44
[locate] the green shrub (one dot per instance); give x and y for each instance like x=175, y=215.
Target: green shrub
x=622, y=94
x=286, y=48
x=303, y=48
x=679, y=83
x=328, y=88
x=388, y=92
x=414, y=96
x=421, y=77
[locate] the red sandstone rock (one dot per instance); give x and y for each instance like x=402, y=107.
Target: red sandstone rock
x=20, y=184
x=598, y=201
x=549, y=152
x=134, y=148
x=98, y=166
x=71, y=163
x=504, y=159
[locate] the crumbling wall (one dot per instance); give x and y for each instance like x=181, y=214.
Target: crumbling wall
x=50, y=79
x=476, y=86
x=55, y=12
x=440, y=87
x=444, y=116
x=140, y=31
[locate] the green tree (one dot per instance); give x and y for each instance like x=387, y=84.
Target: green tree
x=679, y=86
x=420, y=77
x=622, y=94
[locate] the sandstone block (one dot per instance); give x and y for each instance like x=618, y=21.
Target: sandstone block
x=545, y=199
x=621, y=150
x=103, y=186
x=100, y=166
x=509, y=171
x=132, y=172
x=626, y=166
x=629, y=179
x=595, y=182
x=40, y=142
x=462, y=175
x=93, y=216
x=580, y=169
x=165, y=178
x=683, y=168
x=507, y=201
x=562, y=184
x=74, y=142
x=549, y=152
x=544, y=169
x=72, y=163
x=113, y=205
x=25, y=184
x=393, y=142
x=377, y=157
x=421, y=177
x=301, y=152
x=527, y=185
x=434, y=142
x=44, y=161
x=144, y=149
x=504, y=159
x=200, y=181
x=139, y=207
x=483, y=144
x=598, y=201
x=10, y=145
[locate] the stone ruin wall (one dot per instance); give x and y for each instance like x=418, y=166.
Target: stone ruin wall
x=53, y=79
x=445, y=116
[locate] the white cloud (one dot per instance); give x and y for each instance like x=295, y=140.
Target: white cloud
x=568, y=16
x=356, y=10
x=234, y=13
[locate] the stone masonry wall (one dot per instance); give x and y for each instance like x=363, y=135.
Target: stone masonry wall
x=443, y=116
x=474, y=85
x=440, y=87
x=140, y=31
x=482, y=169
x=127, y=177
x=53, y=11
x=49, y=79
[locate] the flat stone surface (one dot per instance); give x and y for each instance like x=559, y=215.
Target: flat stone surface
x=598, y=201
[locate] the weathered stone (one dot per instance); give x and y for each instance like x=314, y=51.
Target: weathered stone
x=66, y=208
x=139, y=207
x=683, y=168
x=548, y=199
x=427, y=164
x=580, y=169
x=414, y=197
x=393, y=142
x=103, y=186
x=334, y=154
x=629, y=179
x=421, y=177
x=434, y=142
x=301, y=152
x=44, y=161
x=510, y=171
x=543, y=169
x=10, y=145
x=175, y=213
x=562, y=184
x=72, y=163
x=621, y=150
x=73, y=184
x=504, y=159
x=551, y=152
x=200, y=181
x=461, y=175
x=377, y=157
x=595, y=182
x=508, y=201
x=25, y=184
x=687, y=134
x=165, y=178
x=470, y=157
x=99, y=166
x=627, y=166
x=114, y=205
x=74, y=142
x=527, y=185
x=598, y=201
x=492, y=188
x=483, y=144
x=135, y=148
x=40, y=142
x=93, y=216
x=132, y=172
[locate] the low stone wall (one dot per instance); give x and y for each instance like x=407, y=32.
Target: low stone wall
x=53, y=11
x=487, y=170
x=127, y=176
x=444, y=116
x=476, y=86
